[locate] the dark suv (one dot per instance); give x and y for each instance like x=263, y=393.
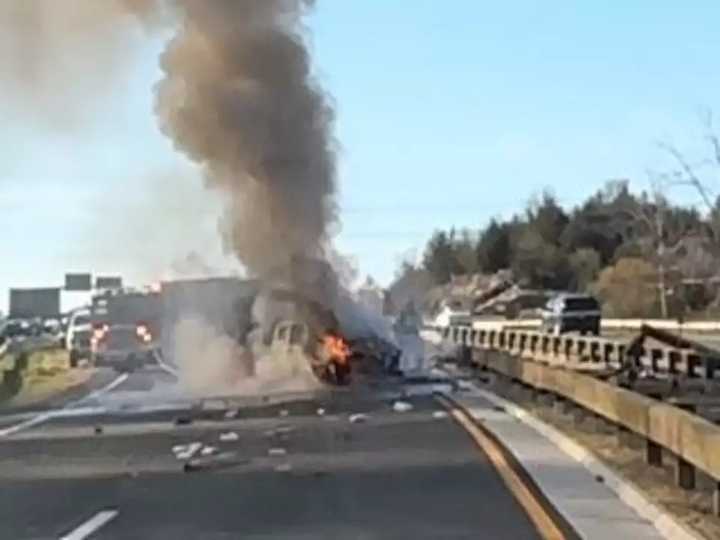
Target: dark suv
x=572, y=312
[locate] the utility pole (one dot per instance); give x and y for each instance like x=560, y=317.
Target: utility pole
x=661, y=280
x=660, y=231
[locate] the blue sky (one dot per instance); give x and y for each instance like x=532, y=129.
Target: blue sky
x=449, y=113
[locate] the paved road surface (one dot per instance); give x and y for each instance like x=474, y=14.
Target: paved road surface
x=292, y=474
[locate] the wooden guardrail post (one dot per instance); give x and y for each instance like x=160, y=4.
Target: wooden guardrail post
x=653, y=453
x=685, y=471
x=621, y=351
x=580, y=346
x=673, y=359
x=692, y=360
x=655, y=356
x=562, y=406
x=607, y=351
x=684, y=474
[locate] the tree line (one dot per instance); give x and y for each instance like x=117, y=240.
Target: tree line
x=640, y=253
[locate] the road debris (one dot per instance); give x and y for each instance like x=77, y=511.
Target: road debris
x=208, y=450
x=357, y=418
x=402, y=406
x=229, y=436
x=186, y=451
x=283, y=467
x=183, y=421
x=320, y=411
x=231, y=413
x=283, y=412
x=439, y=414
x=98, y=430
x=277, y=452
x=214, y=461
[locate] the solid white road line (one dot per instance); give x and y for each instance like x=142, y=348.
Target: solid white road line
x=91, y=525
x=166, y=367
x=47, y=415
x=117, y=381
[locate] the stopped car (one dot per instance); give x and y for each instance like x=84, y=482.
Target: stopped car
x=123, y=347
x=572, y=313
x=77, y=337
x=17, y=329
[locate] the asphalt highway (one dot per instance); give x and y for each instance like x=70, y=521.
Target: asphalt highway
x=308, y=468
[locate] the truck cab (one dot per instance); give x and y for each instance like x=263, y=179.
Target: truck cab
x=326, y=355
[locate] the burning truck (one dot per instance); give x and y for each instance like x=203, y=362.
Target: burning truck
x=259, y=328
x=292, y=324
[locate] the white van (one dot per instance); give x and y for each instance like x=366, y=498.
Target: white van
x=77, y=337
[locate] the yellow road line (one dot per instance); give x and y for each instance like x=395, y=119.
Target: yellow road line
x=543, y=522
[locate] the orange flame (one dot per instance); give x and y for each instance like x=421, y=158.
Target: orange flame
x=337, y=349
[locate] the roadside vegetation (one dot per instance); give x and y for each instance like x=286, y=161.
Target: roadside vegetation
x=32, y=378
x=640, y=253
x=602, y=246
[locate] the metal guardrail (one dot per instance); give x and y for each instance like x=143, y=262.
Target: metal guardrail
x=549, y=365
x=605, y=324
x=587, y=353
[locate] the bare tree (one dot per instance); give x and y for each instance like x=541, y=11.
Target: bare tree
x=652, y=216
x=701, y=175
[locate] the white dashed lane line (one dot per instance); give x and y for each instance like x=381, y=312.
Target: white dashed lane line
x=90, y=526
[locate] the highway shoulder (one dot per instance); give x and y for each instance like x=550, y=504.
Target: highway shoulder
x=588, y=505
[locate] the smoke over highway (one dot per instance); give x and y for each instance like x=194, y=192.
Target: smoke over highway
x=238, y=97
x=59, y=58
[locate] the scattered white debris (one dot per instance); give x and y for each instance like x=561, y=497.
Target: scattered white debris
x=231, y=413
x=359, y=417
x=320, y=411
x=179, y=448
x=284, y=412
x=283, y=430
x=283, y=467
x=229, y=436
x=207, y=450
x=213, y=405
x=270, y=433
x=277, y=452
x=439, y=414
x=189, y=451
x=402, y=406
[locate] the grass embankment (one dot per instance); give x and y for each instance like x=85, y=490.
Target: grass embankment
x=46, y=375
